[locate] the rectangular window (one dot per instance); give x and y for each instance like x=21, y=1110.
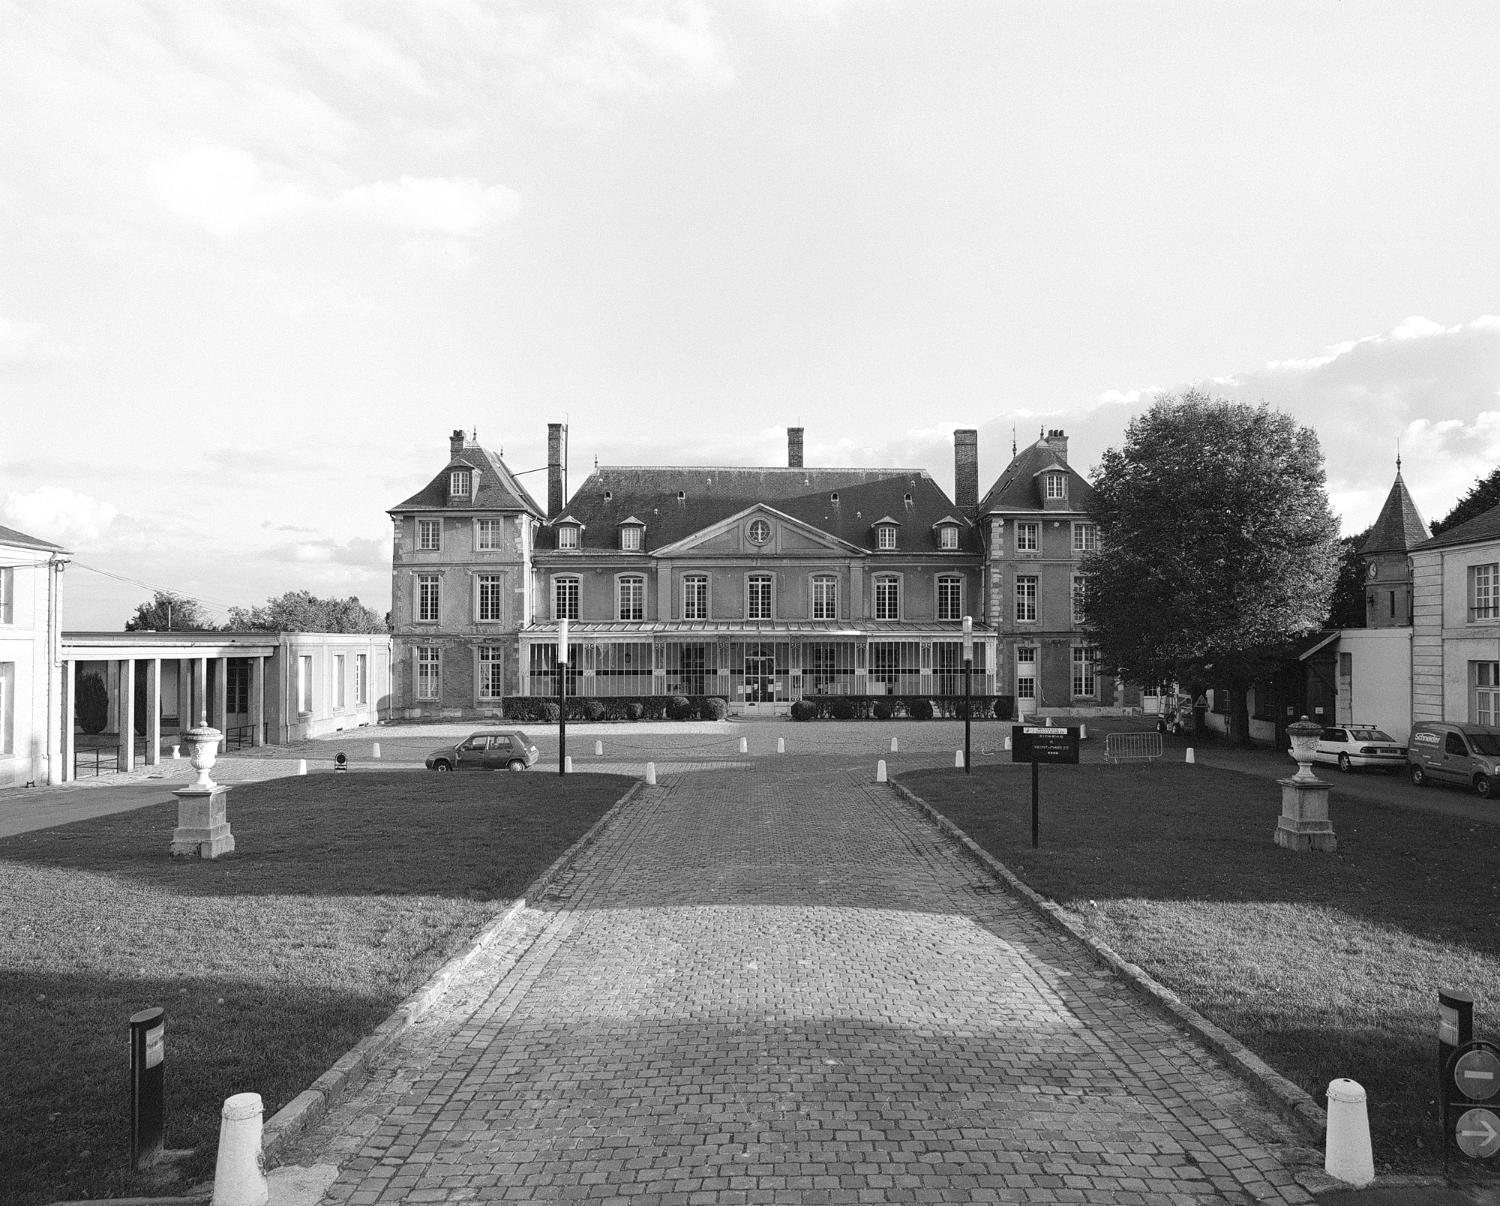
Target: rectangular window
x=429, y=534
x=630, y=539
x=1484, y=592
x=885, y=537
x=888, y=598
x=947, y=537
x=7, y=707
x=489, y=596
x=489, y=533
x=758, y=597
x=361, y=679
x=1028, y=537
x=1085, y=684
x=305, y=684
x=632, y=596
x=427, y=672
x=338, y=680
x=1078, y=590
x=491, y=676
x=1057, y=485
x=1485, y=677
x=428, y=596
x=458, y=483
x=567, y=536
x=950, y=598
x=1026, y=597
x=1085, y=537
x=825, y=597
x=1026, y=672
x=896, y=664
x=564, y=598
x=695, y=597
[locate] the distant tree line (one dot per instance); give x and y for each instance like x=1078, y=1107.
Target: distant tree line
x=295, y=611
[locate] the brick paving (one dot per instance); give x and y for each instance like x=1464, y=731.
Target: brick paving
x=777, y=983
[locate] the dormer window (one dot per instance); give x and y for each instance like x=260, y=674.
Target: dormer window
x=631, y=536
x=1055, y=485
x=567, y=535
x=460, y=482
x=885, y=536
x=948, y=536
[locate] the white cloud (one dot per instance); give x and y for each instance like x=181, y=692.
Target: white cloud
x=58, y=515
x=25, y=345
x=454, y=208
x=225, y=190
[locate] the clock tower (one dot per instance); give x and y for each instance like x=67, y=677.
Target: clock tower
x=1384, y=555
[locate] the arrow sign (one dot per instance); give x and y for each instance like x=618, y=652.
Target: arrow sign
x=1478, y=1133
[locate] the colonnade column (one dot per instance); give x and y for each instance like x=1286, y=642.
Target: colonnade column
x=153, y=711
x=63, y=771
x=257, y=701
x=220, y=712
x=198, y=717
x=125, y=736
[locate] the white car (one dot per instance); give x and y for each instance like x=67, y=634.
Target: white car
x=1352, y=746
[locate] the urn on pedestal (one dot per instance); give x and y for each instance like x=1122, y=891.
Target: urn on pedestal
x=1304, y=823
x=202, y=811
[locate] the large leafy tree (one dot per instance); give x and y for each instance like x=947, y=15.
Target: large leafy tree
x=169, y=612
x=1346, y=609
x=1217, y=546
x=1483, y=495
x=301, y=611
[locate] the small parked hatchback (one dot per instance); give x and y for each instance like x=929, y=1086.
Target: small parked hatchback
x=1441, y=751
x=491, y=749
x=1354, y=746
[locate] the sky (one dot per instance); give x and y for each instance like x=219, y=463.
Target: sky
x=257, y=261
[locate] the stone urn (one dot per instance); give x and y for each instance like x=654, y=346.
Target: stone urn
x=203, y=752
x=1303, y=735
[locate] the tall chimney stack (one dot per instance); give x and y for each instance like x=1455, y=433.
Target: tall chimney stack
x=1058, y=442
x=794, y=447
x=455, y=444
x=966, y=470
x=557, y=468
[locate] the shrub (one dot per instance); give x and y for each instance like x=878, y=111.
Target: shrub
x=1005, y=707
x=715, y=708
x=593, y=709
x=93, y=704
x=842, y=708
x=547, y=712
x=883, y=709
x=634, y=710
x=920, y=709
x=679, y=707
x=804, y=709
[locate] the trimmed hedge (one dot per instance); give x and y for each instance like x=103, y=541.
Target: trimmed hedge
x=541, y=709
x=911, y=707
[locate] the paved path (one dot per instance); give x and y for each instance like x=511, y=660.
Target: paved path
x=780, y=984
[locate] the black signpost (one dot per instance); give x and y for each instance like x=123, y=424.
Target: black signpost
x=1037, y=744
x=1469, y=1081
x=148, y=1031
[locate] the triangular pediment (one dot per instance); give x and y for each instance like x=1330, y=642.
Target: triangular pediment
x=760, y=531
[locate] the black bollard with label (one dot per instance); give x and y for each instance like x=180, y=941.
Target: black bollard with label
x=148, y=1031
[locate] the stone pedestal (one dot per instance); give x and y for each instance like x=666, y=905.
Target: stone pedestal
x=202, y=822
x=1304, y=823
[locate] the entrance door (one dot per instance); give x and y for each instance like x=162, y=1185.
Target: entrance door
x=760, y=678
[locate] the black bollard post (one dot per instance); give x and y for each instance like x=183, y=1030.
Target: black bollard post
x=148, y=1031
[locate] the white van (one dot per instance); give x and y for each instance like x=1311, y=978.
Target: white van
x=1445, y=751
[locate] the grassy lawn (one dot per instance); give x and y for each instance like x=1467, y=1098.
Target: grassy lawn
x=346, y=892
x=1325, y=965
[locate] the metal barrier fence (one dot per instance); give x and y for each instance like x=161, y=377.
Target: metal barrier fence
x=1122, y=747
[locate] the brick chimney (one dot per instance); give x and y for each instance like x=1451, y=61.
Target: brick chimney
x=455, y=444
x=557, y=468
x=794, y=447
x=1058, y=442
x=966, y=469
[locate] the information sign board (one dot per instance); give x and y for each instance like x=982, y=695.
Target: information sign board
x=1043, y=743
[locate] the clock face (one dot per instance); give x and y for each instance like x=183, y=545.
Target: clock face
x=1370, y=573
x=759, y=531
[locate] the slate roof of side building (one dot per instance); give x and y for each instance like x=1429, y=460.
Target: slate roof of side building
x=11, y=536
x=675, y=502
x=496, y=489
x=1482, y=527
x=1017, y=488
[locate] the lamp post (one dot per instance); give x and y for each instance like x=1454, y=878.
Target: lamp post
x=968, y=684
x=562, y=696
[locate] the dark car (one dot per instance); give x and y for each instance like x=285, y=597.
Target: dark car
x=491, y=749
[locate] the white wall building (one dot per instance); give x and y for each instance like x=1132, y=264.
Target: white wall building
x=30, y=675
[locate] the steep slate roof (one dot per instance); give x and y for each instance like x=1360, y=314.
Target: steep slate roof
x=712, y=494
x=1399, y=526
x=496, y=489
x=1016, y=490
x=11, y=536
x=1474, y=531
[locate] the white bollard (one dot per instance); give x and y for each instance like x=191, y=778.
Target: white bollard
x=240, y=1174
x=1083, y=732
x=895, y=745
x=650, y=774
x=1007, y=743
x=958, y=757
x=598, y=748
x=1049, y=722
x=176, y=752
x=302, y=766
x=880, y=771
x=744, y=746
x=567, y=764
x=375, y=750
x=1189, y=757
x=781, y=745
x=1347, y=1155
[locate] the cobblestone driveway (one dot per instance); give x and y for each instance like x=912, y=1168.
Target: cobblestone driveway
x=786, y=986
